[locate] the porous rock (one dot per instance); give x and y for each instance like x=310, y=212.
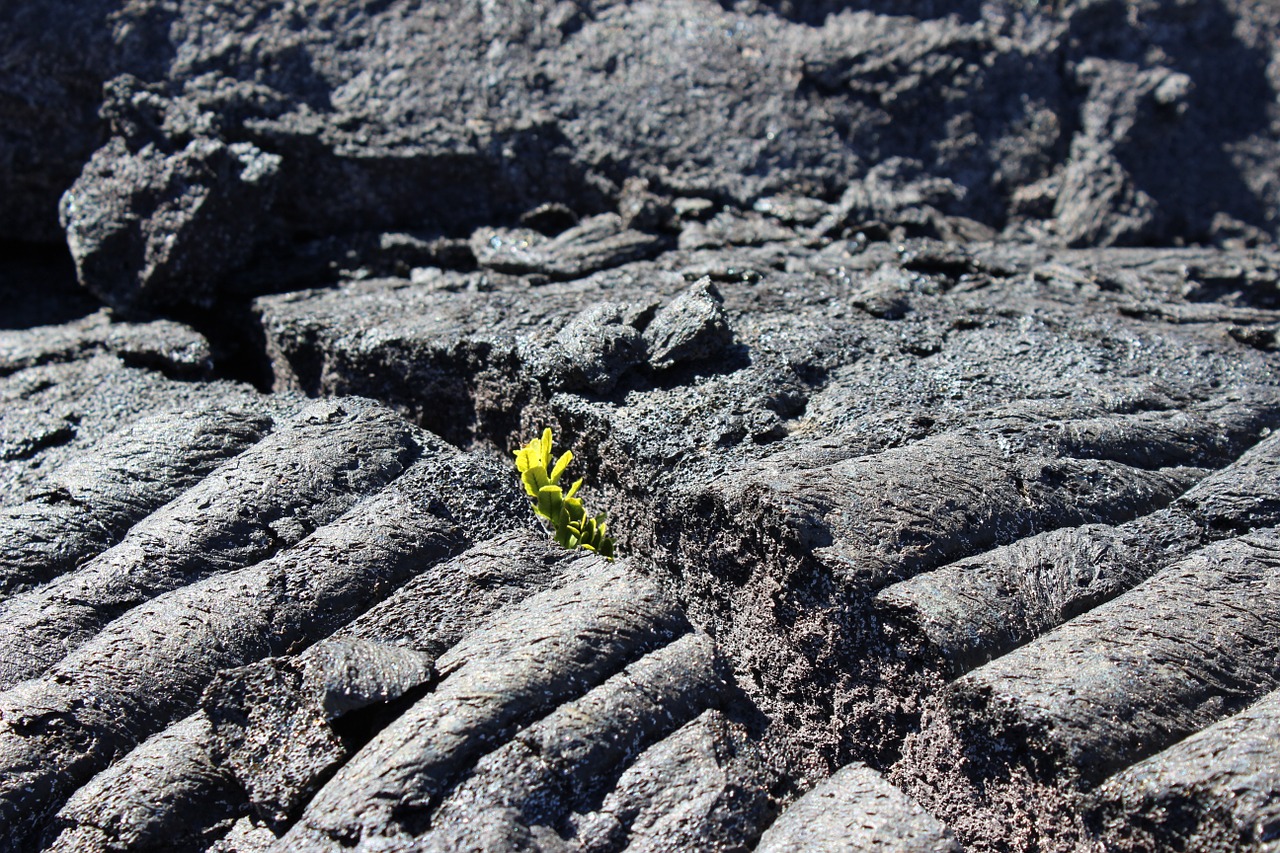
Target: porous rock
x=1038, y=120
x=832, y=308
x=856, y=809
x=149, y=232
x=692, y=327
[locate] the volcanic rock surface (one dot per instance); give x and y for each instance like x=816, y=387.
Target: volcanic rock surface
x=924, y=357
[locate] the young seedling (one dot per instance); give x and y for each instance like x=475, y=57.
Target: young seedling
x=561, y=510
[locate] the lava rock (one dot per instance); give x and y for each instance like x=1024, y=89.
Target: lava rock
x=89, y=503
x=453, y=118
x=277, y=493
x=692, y=327
x=150, y=232
x=857, y=809
x=591, y=352
x=1212, y=791
x=530, y=658
x=593, y=244
x=168, y=347
x=168, y=794
x=147, y=668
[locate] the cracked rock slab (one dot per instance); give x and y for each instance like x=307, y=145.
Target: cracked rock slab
x=1213, y=791
x=527, y=660
x=93, y=499
x=149, y=665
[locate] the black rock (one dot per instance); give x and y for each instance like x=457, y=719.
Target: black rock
x=692, y=327
x=922, y=356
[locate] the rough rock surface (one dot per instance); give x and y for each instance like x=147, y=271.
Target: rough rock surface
x=925, y=357
x=1212, y=791
x=856, y=809
x=193, y=142
x=88, y=504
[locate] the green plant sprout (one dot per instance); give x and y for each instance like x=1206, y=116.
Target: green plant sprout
x=570, y=526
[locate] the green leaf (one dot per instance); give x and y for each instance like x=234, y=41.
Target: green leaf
x=550, y=500
x=530, y=455
x=561, y=464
